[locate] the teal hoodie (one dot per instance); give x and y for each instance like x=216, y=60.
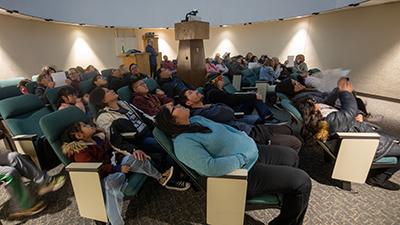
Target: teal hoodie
x=222, y=151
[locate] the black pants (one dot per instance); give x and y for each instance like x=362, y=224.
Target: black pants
x=394, y=151
x=276, y=173
x=275, y=135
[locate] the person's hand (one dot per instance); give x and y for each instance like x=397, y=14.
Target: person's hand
x=125, y=169
x=359, y=118
x=160, y=92
x=140, y=155
x=345, y=85
x=258, y=96
x=68, y=82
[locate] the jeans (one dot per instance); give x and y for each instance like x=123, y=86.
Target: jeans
x=114, y=185
x=261, y=108
x=13, y=166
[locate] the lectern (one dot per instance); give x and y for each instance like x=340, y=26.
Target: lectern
x=191, y=58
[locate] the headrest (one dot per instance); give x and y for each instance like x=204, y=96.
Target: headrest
x=19, y=105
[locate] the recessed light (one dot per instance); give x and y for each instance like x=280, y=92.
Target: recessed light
x=280, y=19
x=82, y=24
x=245, y=24
x=167, y=28
x=48, y=20
x=140, y=28
x=249, y=23
x=106, y=26
x=354, y=4
x=315, y=13
x=111, y=26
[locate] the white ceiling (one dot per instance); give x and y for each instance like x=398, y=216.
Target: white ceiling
x=164, y=13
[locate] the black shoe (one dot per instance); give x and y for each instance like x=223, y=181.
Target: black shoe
x=177, y=185
x=385, y=184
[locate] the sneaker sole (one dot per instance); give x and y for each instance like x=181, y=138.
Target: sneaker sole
x=169, y=177
x=178, y=189
x=41, y=206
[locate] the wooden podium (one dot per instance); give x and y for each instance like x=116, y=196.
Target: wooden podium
x=191, y=57
x=141, y=60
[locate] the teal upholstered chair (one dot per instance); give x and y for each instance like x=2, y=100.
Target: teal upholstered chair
x=9, y=91
x=85, y=86
x=125, y=94
x=21, y=116
x=84, y=176
x=152, y=84
x=32, y=87
x=106, y=73
x=52, y=97
x=88, y=76
x=226, y=201
x=10, y=82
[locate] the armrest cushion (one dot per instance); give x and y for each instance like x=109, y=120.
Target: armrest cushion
x=24, y=137
x=249, y=88
x=84, y=167
x=244, y=92
x=356, y=135
x=238, y=114
x=237, y=174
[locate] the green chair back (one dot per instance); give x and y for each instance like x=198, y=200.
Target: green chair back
x=249, y=78
x=106, y=73
x=52, y=97
x=9, y=91
x=152, y=84
x=22, y=114
x=88, y=75
x=32, y=86
x=125, y=94
x=228, y=87
x=10, y=82
x=85, y=86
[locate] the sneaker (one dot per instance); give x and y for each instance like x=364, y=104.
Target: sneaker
x=374, y=118
x=385, y=184
x=166, y=176
x=54, y=184
x=274, y=121
x=177, y=185
x=37, y=208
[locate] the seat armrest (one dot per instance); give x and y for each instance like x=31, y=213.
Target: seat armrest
x=356, y=135
x=238, y=172
x=83, y=166
x=24, y=137
x=244, y=92
x=249, y=88
x=238, y=114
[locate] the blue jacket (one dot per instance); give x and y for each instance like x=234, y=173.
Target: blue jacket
x=222, y=151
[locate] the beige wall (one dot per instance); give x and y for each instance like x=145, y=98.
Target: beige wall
x=27, y=45
x=365, y=40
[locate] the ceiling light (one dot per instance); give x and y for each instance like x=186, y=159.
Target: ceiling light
x=48, y=20
x=280, y=19
x=315, y=13
x=249, y=23
x=140, y=28
x=354, y=4
x=111, y=26
x=82, y=24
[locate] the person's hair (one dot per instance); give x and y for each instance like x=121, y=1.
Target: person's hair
x=95, y=78
x=80, y=69
x=47, y=69
x=96, y=98
x=65, y=92
x=23, y=82
x=182, y=98
x=68, y=135
x=130, y=66
x=41, y=77
x=132, y=82
x=253, y=59
x=314, y=123
x=268, y=62
x=167, y=123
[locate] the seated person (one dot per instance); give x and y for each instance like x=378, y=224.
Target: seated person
x=14, y=166
x=90, y=69
x=300, y=66
x=83, y=143
x=201, y=144
x=322, y=124
x=99, y=81
x=221, y=66
x=221, y=113
x=107, y=116
x=67, y=97
x=168, y=64
x=280, y=69
x=43, y=85
x=124, y=69
x=22, y=86
x=253, y=63
x=118, y=80
x=171, y=84
x=267, y=73
x=73, y=79
x=211, y=68
x=214, y=93
x=47, y=71
x=148, y=103
x=135, y=72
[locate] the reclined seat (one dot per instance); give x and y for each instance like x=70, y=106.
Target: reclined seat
x=226, y=196
x=85, y=178
x=21, y=116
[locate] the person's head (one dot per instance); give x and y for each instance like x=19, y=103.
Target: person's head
x=314, y=123
x=43, y=79
x=165, y=57
x=73, y=74
x=249, y=55
x=139, y=87
x=216, y=80
x=150, y=42
x=101, y=97
x=275, y=61
x=268, y=62
x=254, y=59
x=300, y=58
x=99, y=81
x=133, y=69
x=189, y=98
x=78, y=131
x=67, y=94
x=23, y=83
x=123, y=68
x=116, y=73
x=80, y=69
x=208, y=60
x=91, y=68
x=164, y=73
x=174, y=120
x=48, y=69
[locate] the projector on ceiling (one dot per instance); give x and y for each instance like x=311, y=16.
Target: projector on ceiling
x=194, y=18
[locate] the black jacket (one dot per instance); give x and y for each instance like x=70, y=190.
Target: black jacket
x=344, y=121
x=215, y=95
